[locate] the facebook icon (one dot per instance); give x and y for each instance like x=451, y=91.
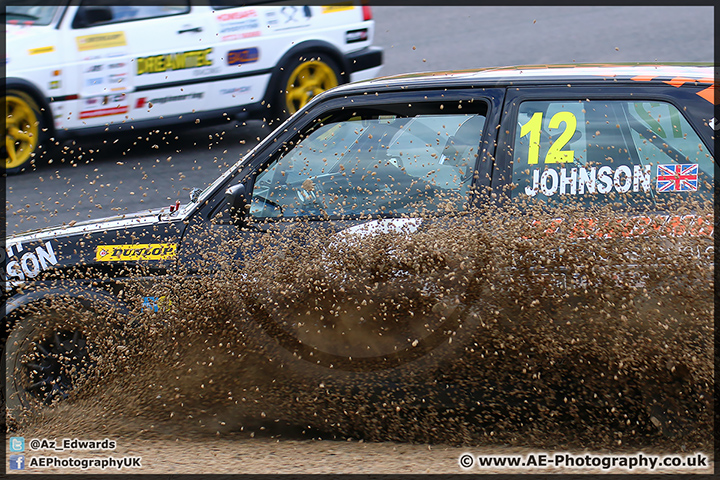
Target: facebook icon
x=17, y=462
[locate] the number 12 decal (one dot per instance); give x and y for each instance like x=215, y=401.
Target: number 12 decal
x=555, y=153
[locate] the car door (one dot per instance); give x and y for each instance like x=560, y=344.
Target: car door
x=334, y=177
x=128, y=55
x=388, y=160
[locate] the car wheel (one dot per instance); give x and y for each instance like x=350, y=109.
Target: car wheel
x=23, y=128
x=302, y=79
x=362, y=340
x=50, y=354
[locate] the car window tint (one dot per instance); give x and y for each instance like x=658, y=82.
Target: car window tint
x=375, y=164
x=636, y=153
x=114, y=13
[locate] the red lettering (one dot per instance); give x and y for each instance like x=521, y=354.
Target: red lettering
x=236, y=15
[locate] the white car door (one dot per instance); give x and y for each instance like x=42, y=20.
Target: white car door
x=129, y=55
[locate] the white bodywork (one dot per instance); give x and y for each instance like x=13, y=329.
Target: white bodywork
x=202, y=60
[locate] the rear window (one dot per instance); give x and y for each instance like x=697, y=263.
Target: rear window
x=636, y=153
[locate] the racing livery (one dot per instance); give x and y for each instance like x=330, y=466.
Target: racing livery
x=80, y=68
x=636, y=134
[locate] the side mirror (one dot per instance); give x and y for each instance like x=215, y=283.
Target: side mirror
x=237, y=203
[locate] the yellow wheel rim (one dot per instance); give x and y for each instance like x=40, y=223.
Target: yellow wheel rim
x=306, y=81
x=21, y=131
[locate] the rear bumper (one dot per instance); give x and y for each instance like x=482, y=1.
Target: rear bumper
x=365, y=59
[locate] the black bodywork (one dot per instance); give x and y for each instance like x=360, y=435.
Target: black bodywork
x=65, y=261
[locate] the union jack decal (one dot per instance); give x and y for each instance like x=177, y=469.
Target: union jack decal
x=677, y=178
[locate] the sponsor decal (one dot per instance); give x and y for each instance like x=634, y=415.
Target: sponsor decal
x=271, y=17
x=354, y=36
x=21, y=264
x=117, y=77
x=37, y=51
x=636, y=226
x=677, y=178
x=105, y=112
x=225, y=17
x=103, y=76
x=121, y=253
x=242, y=21
x=237, y=26
x=155, y=304
x=293, y=14
x=238, y=36
x=203, y=72
x=338, y=7
x=142, y=101
x=55, y=84
x=104, y=106
x=288, y=17
x=174, y=61
x=101, y=40
x=581, y=180
x=94, y=81
x=233, y=91
x=245, y=55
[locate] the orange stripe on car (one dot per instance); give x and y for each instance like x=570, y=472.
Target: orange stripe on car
x=679, y=81
x=708, y=94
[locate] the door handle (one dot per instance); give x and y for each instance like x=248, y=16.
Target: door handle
x=196, y=29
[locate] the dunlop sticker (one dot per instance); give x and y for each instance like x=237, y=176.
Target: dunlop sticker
x=101, y=40
x=123, y=253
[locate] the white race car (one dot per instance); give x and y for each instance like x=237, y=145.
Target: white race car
x=85, y=66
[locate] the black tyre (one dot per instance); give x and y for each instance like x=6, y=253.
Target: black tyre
x=50, y=354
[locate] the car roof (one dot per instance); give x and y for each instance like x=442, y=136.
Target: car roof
x=676, y=74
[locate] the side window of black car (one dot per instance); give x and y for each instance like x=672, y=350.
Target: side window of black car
x=634, y=153
x=373, y=163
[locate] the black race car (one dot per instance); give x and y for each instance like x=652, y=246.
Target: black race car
x=391, y=158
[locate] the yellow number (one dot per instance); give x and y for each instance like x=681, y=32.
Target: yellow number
x=555, y=153
x=533, y=128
